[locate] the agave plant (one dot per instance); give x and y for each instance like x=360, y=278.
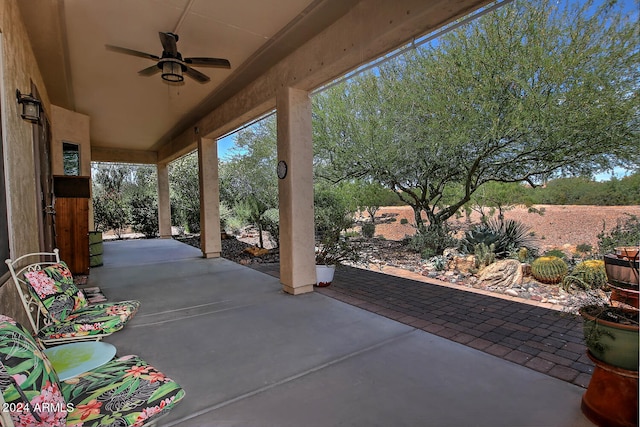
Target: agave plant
x=505, y=236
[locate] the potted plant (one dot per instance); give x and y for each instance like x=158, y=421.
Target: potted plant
x=611, y=336
x=332, y=220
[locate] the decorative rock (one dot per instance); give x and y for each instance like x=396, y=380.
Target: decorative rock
x=511, y=292
x=450, y=252
x=504, y=273
x=464, y=263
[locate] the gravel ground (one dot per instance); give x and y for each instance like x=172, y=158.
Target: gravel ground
x=560, y=227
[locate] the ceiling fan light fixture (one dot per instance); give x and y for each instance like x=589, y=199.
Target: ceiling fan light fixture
x=172, y=71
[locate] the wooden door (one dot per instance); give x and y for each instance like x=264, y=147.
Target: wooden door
x=72, y=232
x=72, y=221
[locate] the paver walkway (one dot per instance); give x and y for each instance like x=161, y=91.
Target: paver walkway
x=539, y=338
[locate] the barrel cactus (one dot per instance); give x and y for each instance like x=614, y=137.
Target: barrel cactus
x=590, y=274
x=549, y=269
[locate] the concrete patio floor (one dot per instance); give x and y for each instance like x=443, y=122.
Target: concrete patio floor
x=249, y=355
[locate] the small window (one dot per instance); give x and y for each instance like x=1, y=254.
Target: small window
x=71, y=158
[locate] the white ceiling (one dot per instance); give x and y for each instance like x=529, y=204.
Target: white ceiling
x=132, y=112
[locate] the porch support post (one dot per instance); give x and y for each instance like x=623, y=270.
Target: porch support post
x=164, y=204
x=210, y=242
x=295, y=147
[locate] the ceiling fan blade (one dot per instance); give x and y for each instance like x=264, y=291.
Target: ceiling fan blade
x=132, y=52
x=168, y=41
x=149, y=71
x=196, y=75
x=208, y=62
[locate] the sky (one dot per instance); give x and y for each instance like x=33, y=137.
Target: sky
x=227, y=144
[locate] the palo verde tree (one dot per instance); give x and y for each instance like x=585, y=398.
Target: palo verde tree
x=533, y=90
x=110, y=205
x=185, y=192
x=248, y=182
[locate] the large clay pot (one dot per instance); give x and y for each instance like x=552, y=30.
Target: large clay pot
x=625, y=295
x=611, y=342
x=621, y=272
x=612, y=396
x=628, y=252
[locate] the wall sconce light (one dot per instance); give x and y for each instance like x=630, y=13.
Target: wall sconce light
x=30, y=107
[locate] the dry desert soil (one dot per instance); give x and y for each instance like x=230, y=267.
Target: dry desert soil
x=559, y=227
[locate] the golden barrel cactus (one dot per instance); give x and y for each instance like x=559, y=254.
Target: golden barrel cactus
x=549, y=269
x=590, y=274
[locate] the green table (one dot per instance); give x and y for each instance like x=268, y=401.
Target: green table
x=71, y=360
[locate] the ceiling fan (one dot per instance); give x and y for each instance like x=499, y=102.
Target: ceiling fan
x=171, y=62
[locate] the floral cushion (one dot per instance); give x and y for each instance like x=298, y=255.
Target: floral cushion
x=124, y=392
x=98, y=319
x=54, y=287
x=29, y=383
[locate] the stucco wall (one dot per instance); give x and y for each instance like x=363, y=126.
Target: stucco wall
x=69, y=126
x=19, y=71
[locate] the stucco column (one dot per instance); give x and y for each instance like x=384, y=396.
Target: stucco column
x=164, y=203
x=295, y=147
x=210, y=243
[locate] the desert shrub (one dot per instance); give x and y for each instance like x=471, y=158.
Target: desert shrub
x=584, y=248
x=549, y=269
x=506, y=236
x=110, y=212
x=368, y=229
x=271, y=224
x=625, y=233
x=332, y=215
x=590, y=274
x=555, y=253
x=432, y=241
x=404, y=221
x=144, y=214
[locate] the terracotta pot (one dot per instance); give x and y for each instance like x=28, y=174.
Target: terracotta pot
x=625, y=295
x=324, y=275
x=621, y=272
x=612, y=396
x=613, y=343
x=628, y=252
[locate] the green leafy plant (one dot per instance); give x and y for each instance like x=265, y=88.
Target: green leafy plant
x=584, y=248
x=368, y=229
x=549, y=269
x=332, y=219
x=555, y=253
x=432, y=241
x=625, y=233
x=439, y=262
x=144, y=214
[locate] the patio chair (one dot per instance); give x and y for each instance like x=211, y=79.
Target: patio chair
x=57, y=310
x=126, y=391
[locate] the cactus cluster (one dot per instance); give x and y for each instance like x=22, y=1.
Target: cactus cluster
x=590, y=274
x=549, y=269
x=484, y=254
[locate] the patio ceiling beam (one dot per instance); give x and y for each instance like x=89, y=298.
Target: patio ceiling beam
x=116, y=155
